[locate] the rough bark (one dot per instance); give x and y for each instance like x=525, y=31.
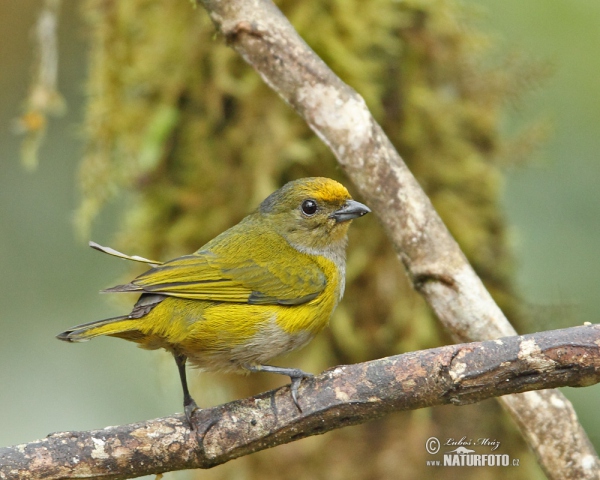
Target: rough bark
x=345, y=395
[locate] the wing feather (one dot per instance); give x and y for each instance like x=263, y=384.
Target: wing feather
x=229, y=270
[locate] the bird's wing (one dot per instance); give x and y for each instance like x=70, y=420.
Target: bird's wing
x=275, y=274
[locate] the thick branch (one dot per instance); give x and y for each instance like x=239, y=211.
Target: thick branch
x=435, y=263
x=345, y=395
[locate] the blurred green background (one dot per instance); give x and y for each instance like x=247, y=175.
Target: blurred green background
x=50, y=278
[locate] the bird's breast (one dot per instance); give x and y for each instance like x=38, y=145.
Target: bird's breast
x=314, y=315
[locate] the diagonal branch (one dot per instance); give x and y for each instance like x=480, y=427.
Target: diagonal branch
x=345, y=395
x=435, y=263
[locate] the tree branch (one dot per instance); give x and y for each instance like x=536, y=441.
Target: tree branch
x=434, y=261
x=345, y=395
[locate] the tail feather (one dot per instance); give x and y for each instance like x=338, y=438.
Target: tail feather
x=123, y=326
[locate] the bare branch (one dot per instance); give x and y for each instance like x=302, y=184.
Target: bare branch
x=345, y=395
x=435, y=263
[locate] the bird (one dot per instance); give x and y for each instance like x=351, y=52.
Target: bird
x=260, y=289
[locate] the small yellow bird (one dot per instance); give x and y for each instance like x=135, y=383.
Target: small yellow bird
x=262, y=288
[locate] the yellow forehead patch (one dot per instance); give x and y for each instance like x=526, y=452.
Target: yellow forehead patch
x=326, y=190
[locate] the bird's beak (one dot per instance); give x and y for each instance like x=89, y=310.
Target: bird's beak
x=351, y=209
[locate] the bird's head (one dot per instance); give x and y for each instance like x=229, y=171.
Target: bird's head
x=312, y=214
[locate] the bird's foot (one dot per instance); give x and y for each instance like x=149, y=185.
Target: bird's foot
x=295, y=374
x=189, y=408
x=296, y=380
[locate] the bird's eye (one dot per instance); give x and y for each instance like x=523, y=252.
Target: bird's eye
x=309, y=207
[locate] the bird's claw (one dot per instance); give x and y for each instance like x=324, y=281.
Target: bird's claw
x=189, y=409
x=296, y=375
x=296, y=380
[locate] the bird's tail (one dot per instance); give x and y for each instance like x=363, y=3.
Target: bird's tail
x=123, y=327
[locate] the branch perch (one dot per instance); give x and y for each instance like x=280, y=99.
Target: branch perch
x=434, y=262
x=345, y=395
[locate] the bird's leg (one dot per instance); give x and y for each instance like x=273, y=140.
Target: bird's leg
x=295, y=374
x=189, y=406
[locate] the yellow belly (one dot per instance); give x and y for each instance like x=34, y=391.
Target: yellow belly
x=226, y=336
x=220, y=336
